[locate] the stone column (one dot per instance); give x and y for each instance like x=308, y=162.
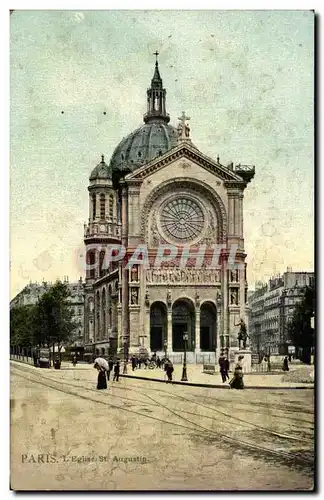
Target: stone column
x=230, y=213
x=225, y=332
x=124, y=272
x=134, y=226
x=197, y=331
x=242, y=291
x=169, y=331
x=241, y=196
x=218, y=330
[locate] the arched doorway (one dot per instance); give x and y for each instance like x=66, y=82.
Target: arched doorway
x=183, y=320
x=158, y=326
x=208, y=326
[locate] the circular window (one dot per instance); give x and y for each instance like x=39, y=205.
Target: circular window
x=182, y=219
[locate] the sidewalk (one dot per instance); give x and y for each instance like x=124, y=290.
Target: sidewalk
x=196, y=376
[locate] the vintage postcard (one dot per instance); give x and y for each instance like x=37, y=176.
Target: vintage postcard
x=162, y=309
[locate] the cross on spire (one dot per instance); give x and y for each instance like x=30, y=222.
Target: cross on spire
x=156, y=56
x=183, y=118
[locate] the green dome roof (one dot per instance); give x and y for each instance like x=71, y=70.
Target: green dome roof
x=143, y=145
x=101, y=171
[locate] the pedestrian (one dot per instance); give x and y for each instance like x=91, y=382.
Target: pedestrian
x=57, y=363
x=35, y=358
x=289, y=357
x=102, y=363
x=285, y=364
x=116, y=371
x=102, y=382
x=110, y=367
x=158, y=362
x=227, y=367
x=237, y=380
x=139, y=363
x=169, y=370
x=221, y=362
x=133, y=359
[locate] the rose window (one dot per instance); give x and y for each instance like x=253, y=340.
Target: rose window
x=182, y=219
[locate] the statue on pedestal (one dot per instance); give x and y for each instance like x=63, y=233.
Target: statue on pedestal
x=147, y=299
x=242, y=335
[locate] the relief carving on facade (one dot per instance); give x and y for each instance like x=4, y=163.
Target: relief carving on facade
x=134, y=273
x=169, y=298
x=155, y=236
x=234, y=297
x=234, y=276
x=186, y=276
x=210, y=237
x=147, y=298
x=134, y=296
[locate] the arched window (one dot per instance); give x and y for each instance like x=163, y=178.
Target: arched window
x=111, y=206
x=93, y=206
x=91, y=261
x=102, y=206
x=101, y=263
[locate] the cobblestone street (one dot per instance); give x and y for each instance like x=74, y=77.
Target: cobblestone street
x=145, y=435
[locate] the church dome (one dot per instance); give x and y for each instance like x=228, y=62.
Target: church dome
x=149, y=141
x=101, y=171
x=152, y=139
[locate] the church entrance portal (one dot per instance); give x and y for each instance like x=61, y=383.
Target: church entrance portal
x=158, y=326
x=183, y=320
x=208, y=323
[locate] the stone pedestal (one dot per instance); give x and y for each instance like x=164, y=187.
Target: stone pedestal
x=246, y=362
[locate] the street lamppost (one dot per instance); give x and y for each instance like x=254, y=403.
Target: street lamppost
x=125, y=357
x=184, y=368
x=165, y=349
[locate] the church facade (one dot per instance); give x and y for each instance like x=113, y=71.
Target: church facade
x=164, y=244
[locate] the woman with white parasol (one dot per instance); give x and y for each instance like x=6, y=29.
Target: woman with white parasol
x=102, y=366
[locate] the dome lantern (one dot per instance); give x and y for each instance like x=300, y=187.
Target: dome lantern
x=156, y=110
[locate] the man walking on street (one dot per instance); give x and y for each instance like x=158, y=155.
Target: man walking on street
x=110, y=367
x=226, y=367
x=222, y=369
x=116, y=372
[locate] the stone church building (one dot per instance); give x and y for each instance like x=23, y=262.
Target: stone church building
x=160, y=190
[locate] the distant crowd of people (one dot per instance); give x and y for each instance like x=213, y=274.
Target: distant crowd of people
x=154, y=362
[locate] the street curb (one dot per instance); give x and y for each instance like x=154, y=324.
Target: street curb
x=192, y=384
x=214, y=386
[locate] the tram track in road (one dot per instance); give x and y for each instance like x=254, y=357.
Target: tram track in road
x=228, y=416
x=192, y=402
x=237, y=403
x=287, y=457
x=269, y=406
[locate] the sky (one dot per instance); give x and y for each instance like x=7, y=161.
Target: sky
x=244, y=77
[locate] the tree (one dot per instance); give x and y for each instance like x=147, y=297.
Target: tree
x=300, y=331
x=21, y=326
x=53, y=318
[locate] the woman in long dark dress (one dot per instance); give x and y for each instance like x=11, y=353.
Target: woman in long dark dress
x=237, y=380
x=102, y=380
